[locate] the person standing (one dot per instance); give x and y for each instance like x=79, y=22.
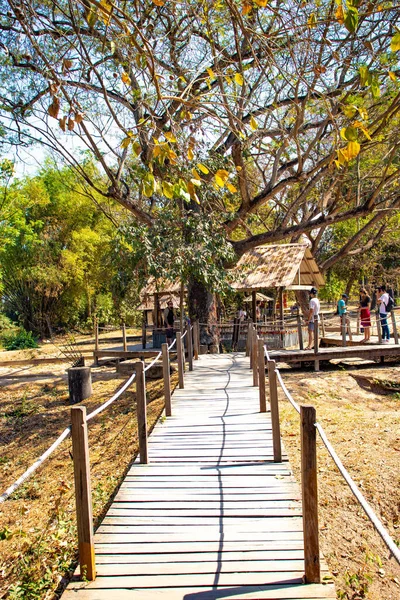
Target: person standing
x=365, y=314
x=342, y=308
x=312, y=313
x=383, y=300
x=169, y=319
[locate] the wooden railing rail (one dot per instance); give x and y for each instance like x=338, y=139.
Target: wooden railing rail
x=308, y=429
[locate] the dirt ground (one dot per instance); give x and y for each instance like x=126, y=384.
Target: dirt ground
x=359, y=410
x=37, y=524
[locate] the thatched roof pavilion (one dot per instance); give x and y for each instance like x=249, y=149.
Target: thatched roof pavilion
x=282, y=266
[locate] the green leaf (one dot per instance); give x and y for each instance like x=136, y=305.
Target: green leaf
x=375, y=89
x=351, y=19
x=365, y=75
x=350, y=134
x=395, y=43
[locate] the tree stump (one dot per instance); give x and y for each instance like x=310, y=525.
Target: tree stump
x=79, y=384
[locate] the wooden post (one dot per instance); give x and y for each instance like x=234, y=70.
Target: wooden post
x=358, y=323
x=248, y=340
x=144, y=334
x=349, y=329
x=394, y=327
x=190, y=346
x=124, y=342
x=141, y=412
x=179, y=356
x=83, y=492
x=156, y=316
x=322, y=325
x=255, y=359
x=343, y=321
x=181, y=295
x=281, y=313
x=300, y=332
x=316, y=342
x=274, y=406
x=254, y=305
x=261, y=376
x=378, y=326
x=96, y=334
x=167, y=379
x=196, y=339
x=310, y=494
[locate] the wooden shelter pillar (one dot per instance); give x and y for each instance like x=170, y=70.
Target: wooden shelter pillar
x=181, y=295
x=281, y=305
x=156, y=305
x=254, y=305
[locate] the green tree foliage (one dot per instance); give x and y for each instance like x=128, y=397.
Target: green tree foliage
x=59, y=261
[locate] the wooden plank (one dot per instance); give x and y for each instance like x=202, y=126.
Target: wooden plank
x=176, y=557
x=245, y=592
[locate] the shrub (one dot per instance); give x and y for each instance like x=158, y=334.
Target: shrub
x=19, y=340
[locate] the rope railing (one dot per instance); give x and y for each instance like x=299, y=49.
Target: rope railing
x=367, y=508
x=308, y=438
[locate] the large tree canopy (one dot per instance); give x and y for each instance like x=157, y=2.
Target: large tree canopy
x=269, y=118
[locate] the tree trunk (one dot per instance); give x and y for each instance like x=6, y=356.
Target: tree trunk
x=203, y=307
x=302, y=298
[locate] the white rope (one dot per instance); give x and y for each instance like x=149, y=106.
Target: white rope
x=59, y=440
x=287, y=393
x=35, y=465
x=367, y=508
x=111, y=400
x=154, y=361
x=182, y=336
x=172, y=344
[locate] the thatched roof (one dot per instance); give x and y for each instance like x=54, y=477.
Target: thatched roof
x=161, y=286
x=283, y=265
x=148, y=302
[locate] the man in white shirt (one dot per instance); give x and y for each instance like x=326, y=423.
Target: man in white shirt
x=383, y=298
x=313, y=312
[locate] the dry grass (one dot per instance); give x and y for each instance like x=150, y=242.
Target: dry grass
x=360, y=414
x=37, y=524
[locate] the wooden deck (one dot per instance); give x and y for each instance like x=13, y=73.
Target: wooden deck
x=211, y=516
x=364, y=351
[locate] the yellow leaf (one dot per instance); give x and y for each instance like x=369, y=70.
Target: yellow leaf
x=253, y=124
x=125, y=142
x=353, y=149
x=246, y=7
x=342, y=156
x=136, y=148
x=312, y=20
x=262, y=3
x=125, y=78
x=231, y=187
x=196, y=175
x=221, y=177
x=392, y=76
x=203, y=168
x=105, y=10
x=349, y=111
x=158, y=2
x=170, y=137
x=365, y=132
x=239, y=78
x=190, y=154
x=172, y=156
x=168, y=189
x=228, y=80
x=339, y=14
x=211, y=73
x=363, y=113
x=157, y=151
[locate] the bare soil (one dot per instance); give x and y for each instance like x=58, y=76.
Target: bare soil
x=37, y=524
x=359, y=410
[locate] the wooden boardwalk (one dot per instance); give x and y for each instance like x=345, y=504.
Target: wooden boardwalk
x=211, y=516
x=364, y=351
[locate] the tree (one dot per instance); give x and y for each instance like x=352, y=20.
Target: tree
x=265, y=119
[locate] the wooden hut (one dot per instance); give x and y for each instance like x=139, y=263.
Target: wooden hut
x=282, y=266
